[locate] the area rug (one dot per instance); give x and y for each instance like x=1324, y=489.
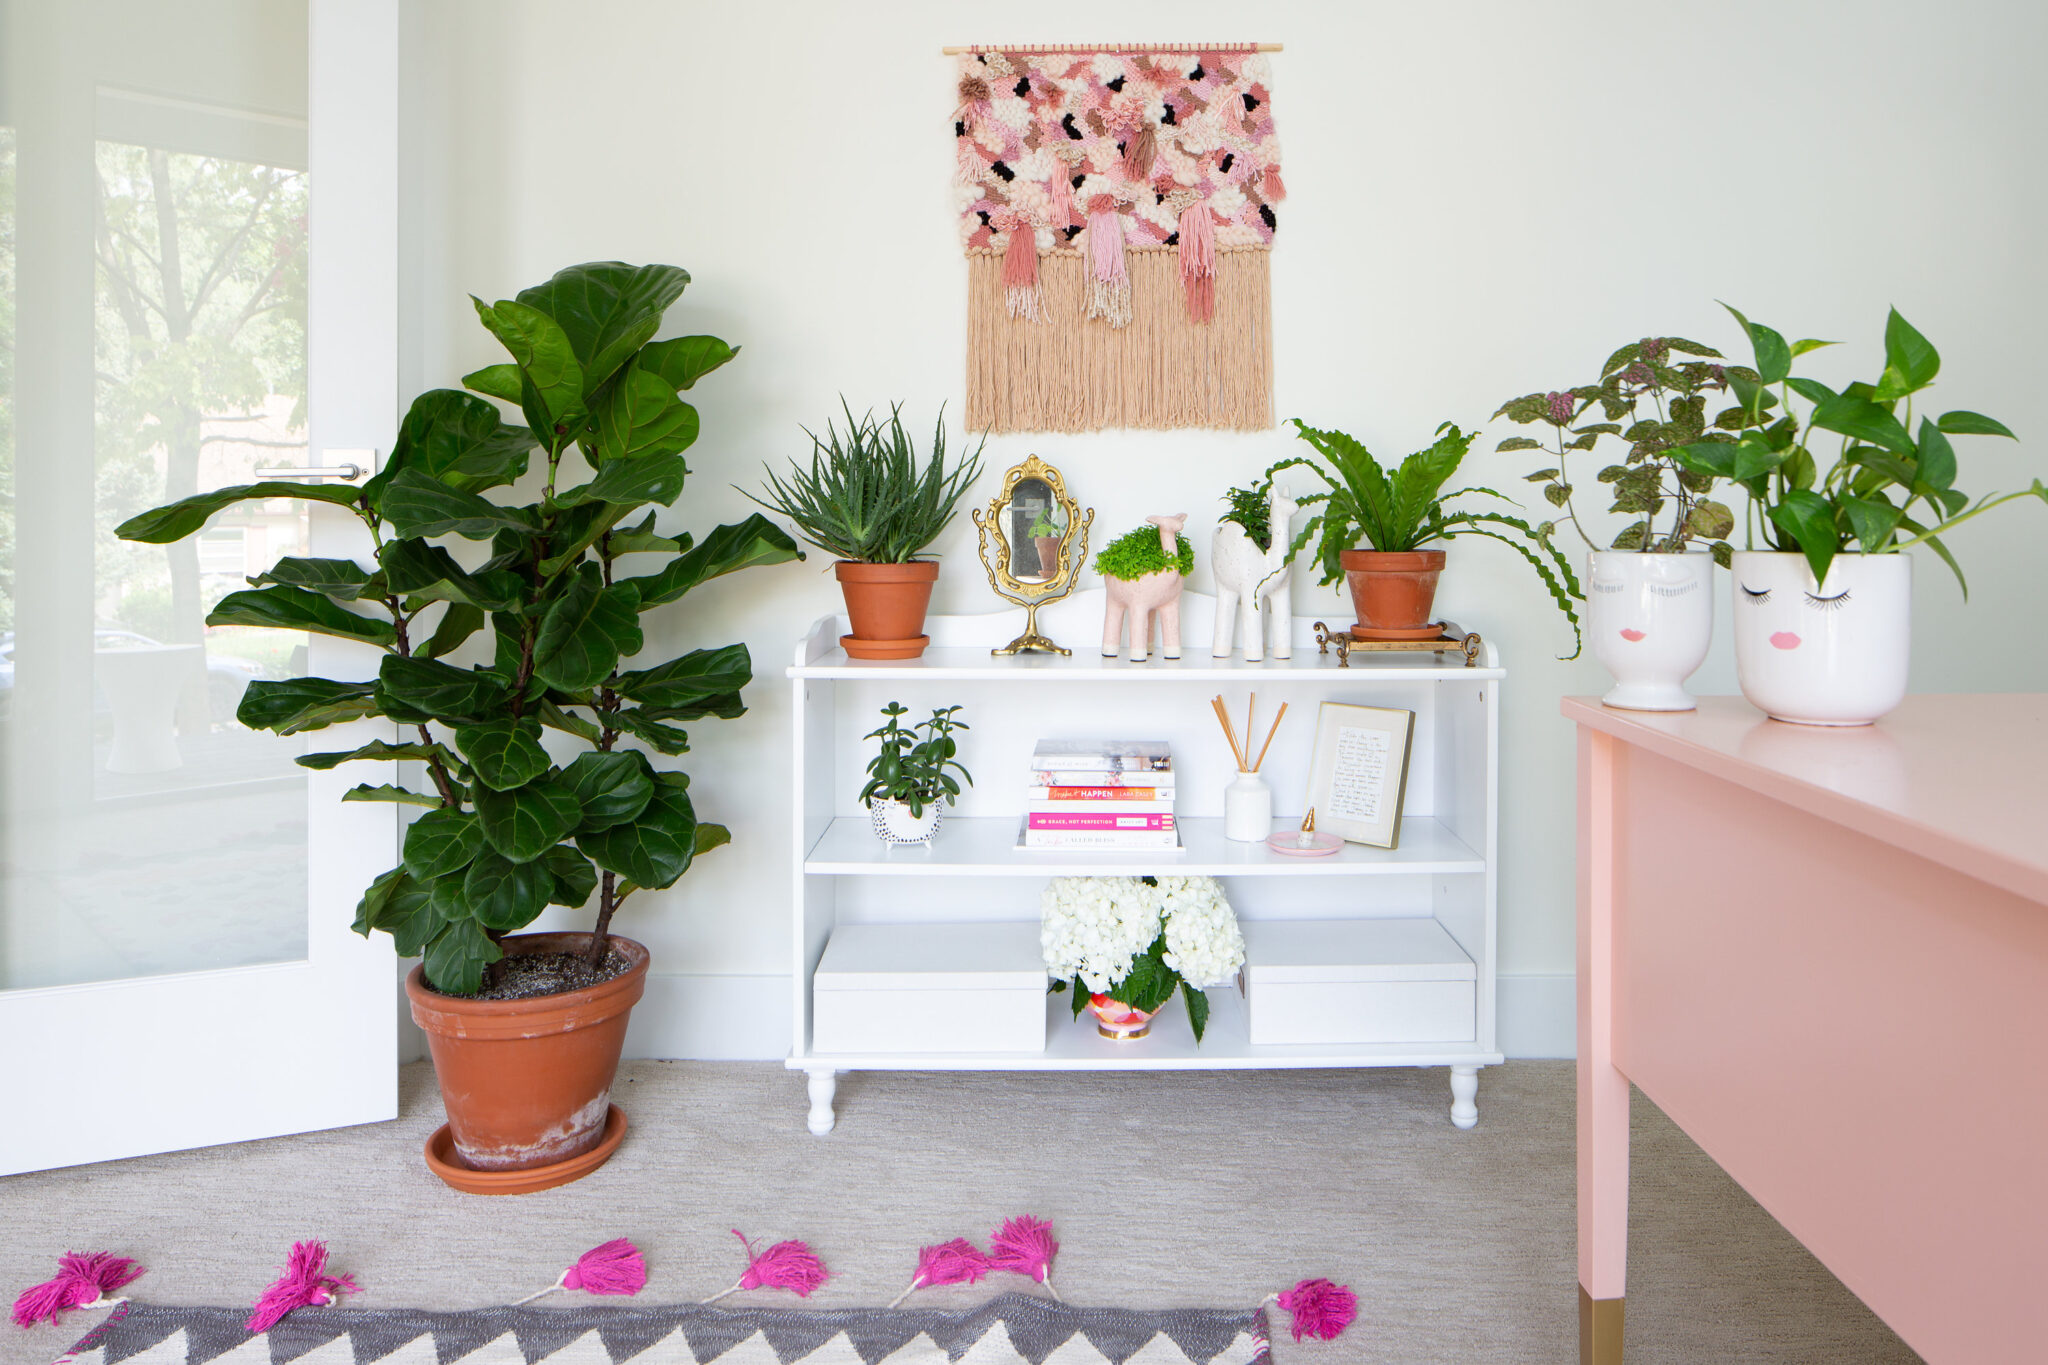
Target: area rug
x=1012, y=1329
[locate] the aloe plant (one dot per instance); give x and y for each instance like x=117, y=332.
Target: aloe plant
x=1405, y=509
x=507, y=829
x=863, y=498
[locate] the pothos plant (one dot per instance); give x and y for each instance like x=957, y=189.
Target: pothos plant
x=912, y=768
x=509, y=830
x=1655, y=404
x=1889, y=488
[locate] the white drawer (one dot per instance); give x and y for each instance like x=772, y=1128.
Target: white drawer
x=930, y=988
x=1357, y=981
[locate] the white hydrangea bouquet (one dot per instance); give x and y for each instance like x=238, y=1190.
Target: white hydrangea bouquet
x=1136, y=940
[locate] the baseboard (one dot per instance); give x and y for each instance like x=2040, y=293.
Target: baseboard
x=1539, y=1015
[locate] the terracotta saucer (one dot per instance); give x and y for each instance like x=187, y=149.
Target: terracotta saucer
x=1430, y=632
x=884, y=649
x=441, y=1161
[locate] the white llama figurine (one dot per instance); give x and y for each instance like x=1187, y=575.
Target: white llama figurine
x=1252, y=585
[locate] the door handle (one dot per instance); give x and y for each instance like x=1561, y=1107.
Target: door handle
x=348, y=471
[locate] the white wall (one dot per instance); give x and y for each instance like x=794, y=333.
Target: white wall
x=1485, y=200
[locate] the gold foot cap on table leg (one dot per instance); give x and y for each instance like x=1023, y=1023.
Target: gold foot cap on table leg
x=1599, y=1330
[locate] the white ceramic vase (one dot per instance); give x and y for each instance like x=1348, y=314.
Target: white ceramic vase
x=1651, y=618
x=1832, y=653
x=894, y=824
x=1247, y=809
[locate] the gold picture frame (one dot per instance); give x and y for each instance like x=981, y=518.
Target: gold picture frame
x=1030, y=491
x=1358, y=772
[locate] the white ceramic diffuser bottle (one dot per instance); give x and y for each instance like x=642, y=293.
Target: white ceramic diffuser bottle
x=1247, y=801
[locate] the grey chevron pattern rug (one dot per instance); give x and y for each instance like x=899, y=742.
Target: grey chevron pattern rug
x=1013, y=1329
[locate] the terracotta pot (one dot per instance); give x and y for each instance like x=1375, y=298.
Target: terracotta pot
x=885, y=605
x=527, y=1083
x=1048, y=548
x=1393, y=592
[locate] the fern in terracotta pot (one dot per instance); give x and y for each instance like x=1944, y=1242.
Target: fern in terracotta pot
x=551, y=598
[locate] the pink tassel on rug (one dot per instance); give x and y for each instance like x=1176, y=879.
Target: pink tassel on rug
x=1321, y=1310
x=790, y=1265
x=1271, y=185
x=305, y=1283
x=83, y=1280
x=613, y=1268
x=956, y=1262
x=1198, y=261
x=1139, y=153
x=1109, y=284
x=1020, y=274
x=1025, y=1246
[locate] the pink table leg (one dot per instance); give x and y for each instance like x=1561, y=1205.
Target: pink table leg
x=1603, y=1090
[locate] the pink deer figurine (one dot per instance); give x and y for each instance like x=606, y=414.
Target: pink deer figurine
x=1154, y=594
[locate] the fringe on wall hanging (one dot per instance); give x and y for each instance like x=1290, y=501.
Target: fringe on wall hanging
x=1117, y=208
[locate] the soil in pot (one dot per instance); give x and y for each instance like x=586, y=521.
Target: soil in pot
x=528, y=975
x=1393, y=592
x=885, y=606
x=527, y=1081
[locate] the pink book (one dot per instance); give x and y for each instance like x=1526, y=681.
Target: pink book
x=1095, y=820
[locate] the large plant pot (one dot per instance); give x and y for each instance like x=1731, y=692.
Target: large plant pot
x=527, y=1083
x=1832, y=653
x=1651, y=618
x=1393, y=592
x=885, y=605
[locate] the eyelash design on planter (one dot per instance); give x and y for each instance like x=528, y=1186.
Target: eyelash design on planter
x=1828, y=603
x=1668, y=590
x=1606, y=587
x=1757, y=597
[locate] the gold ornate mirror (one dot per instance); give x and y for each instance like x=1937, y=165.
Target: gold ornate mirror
x=1034, y=540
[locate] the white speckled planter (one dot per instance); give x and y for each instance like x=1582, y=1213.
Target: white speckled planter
x=894, y=824
x=1650, y=618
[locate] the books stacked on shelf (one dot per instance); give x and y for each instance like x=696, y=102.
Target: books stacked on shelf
x=1102, y=795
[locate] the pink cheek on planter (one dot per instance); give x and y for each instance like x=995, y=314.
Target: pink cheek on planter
x=1785, y=639
x=1631, y=635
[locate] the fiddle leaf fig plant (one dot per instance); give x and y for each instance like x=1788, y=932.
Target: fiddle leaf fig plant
x=1890, y=487
x=556, y=587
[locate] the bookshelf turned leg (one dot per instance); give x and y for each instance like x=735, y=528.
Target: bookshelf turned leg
x=1464, y=1093
x=824, y=1084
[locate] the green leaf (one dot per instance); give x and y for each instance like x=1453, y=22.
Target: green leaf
x=1198, y=1008
x=700, y=679
x=376, y=901
x=1812, y=390
x=641, y=416
x=297, y=704
x=1809, y=519
x=649, y=730
x=419, y=568
x=1937, y=467
x=572, y=875
x=1753, y=457
x=1873, y=520
x=501, y=381
x=585, y=632
x=1863, y=420
x=505, y=895
x=546, y=361
x=732, y=547
x=629, y=483
x=1709, y=520
x=1519, y=443
x=568, y=722
x=458, y=623
x=526, y=822
x=416, y=504
x=344, y=580
x=1800, y=348
x=410, y=917
x=388, y=793
x=682, y=361
x=503, y=753
x=1773, y=356
x=376, y=750
x=176, y=520
x=441, y=841
x=710, y=836
x=285, y=608
x=1965, y=423
x=653, y=849
x=611, y=788
x=607, y=310
x=457, y=439
x=1913, y=356
x=455, y=960
x=418, y=690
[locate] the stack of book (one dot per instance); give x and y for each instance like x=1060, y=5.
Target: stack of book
x=1106, y=795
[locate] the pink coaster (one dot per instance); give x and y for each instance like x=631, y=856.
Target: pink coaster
x=1289, y=843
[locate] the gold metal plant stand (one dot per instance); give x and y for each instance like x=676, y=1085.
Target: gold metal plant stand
x=1073, y=551
x=1454, y=640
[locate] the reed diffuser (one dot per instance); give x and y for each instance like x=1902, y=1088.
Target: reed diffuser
x=1247, y=801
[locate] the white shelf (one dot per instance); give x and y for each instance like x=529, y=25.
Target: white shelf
x=986, y=846
x=969, y=663
x=1074, y=1045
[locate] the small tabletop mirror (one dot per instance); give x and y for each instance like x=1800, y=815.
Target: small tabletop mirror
x=1034, y=540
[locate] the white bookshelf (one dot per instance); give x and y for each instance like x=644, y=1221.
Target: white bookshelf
x=1443, y=872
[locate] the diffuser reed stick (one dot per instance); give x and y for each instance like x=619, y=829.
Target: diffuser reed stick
x=1269, y=737
x=1229, y=734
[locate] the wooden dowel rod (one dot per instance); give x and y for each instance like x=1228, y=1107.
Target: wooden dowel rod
x=1269, y=737
x=1029, y=49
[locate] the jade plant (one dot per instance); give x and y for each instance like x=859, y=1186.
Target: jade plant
x=911, y=767
x=1890, y=487
x=508, y=828
x=1655, y=404
x=1138, y=552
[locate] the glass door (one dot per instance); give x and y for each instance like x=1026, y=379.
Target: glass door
x=197, y=283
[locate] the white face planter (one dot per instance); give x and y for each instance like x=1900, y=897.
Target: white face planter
x=1651, y=618
x=1830, y=653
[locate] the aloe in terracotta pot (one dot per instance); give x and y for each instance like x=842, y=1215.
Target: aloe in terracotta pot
x=544, y=614
x=864, y=499
x=1398, y=514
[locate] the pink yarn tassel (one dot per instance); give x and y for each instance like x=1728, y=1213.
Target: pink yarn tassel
x=1020, y=274
x=1062, y=195
x=304, y=1283
x=956, y=1262
x=1321, y=1310
x=1109, y=284
x=790, y=1265
x=1024, y=1246
x=1272, y=186
x=614, y=1268
x=1198, y=261
x=1138, y=155
x=83, y=1280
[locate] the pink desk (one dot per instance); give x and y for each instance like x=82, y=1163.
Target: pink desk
x=1824, y=954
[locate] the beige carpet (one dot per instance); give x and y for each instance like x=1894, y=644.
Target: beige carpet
x=1194, y=1189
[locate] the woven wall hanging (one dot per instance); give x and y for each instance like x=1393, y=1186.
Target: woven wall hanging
x=1117, y=207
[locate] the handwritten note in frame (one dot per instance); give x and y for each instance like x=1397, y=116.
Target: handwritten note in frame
x=1360, y=772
